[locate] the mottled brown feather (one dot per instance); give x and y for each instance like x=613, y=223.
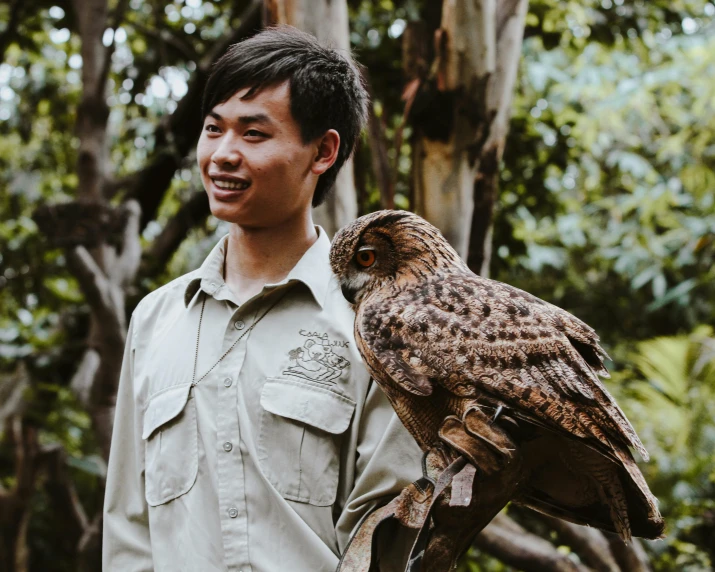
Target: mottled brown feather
x=525, y=339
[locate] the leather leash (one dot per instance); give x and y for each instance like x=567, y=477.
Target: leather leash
x=361, y=555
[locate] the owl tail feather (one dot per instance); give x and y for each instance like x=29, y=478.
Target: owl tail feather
x=612, y=494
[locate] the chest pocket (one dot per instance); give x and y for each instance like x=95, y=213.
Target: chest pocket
x=171, y=434
x=300, y=437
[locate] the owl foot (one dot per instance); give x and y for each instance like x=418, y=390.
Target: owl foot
x=480, y=426
x=486, y=445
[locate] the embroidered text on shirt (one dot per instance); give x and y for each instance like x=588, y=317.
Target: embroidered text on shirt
x=315, y=360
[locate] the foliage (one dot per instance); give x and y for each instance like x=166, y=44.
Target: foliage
x=607, y=187
x=668, y=392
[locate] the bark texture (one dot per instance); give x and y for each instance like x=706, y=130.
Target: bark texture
x=461, y=113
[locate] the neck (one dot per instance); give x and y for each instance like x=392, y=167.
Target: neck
x=259, y=256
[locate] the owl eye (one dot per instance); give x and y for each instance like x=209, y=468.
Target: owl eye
x=365, y=258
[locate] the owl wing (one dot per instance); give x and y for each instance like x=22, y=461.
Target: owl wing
x=473, y=336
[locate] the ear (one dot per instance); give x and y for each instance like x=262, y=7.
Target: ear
x=326, y=152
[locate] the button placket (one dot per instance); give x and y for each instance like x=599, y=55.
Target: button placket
x=231, y=486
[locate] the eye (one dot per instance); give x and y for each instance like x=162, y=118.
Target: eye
x=365, y=258
x=211, y=128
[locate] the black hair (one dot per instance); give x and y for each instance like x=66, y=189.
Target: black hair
x=326, y=88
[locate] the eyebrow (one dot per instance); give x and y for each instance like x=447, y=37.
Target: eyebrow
x=246, y=119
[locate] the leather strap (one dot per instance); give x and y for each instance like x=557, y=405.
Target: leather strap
x=360, y=554
x=414, y=562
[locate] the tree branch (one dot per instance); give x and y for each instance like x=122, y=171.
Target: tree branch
x=378, y=151
x=92, y=112
x=192, y=213
x=113, y=22
x=184, y=48
x=15, y=503
x=589, y=543
x=514, y=546
x=93, y=282
x=83, y=379
x=12, y=390
x=63, y=495
x=122, y=268
x=103, y=290
x=630, y=557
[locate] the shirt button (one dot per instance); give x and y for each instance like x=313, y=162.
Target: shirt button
x=233, y=512
x=227, y=382
x=227, y=446
x=239, y=325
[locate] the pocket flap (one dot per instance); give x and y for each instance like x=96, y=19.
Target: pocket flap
x=316, y=406
x=164, y=406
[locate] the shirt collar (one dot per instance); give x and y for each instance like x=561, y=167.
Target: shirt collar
x=313, y=270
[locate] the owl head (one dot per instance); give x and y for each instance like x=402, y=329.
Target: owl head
x=388, y=247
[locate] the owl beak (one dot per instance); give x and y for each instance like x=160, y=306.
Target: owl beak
x=348, y=293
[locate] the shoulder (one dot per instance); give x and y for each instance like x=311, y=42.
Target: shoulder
x=162, y=301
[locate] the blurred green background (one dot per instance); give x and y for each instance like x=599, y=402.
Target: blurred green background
x=606, y=207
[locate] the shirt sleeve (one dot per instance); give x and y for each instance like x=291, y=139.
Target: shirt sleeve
x=126, y=545
x=388, y=459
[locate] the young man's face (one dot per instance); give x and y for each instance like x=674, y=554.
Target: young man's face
x=254, y=165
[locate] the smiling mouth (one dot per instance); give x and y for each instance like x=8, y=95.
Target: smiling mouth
x=231, y=185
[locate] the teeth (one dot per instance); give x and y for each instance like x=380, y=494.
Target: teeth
x=230, y=186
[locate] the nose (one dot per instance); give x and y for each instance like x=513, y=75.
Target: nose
x=227, y=153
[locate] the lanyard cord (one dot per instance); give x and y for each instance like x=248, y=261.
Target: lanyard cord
x=195, y=381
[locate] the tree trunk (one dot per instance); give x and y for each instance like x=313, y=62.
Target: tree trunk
x=510, y=21
x=327, y=20
x=103, y=271
x=100, y=272
x=461, y=114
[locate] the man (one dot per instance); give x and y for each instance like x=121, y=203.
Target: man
x=248, y=436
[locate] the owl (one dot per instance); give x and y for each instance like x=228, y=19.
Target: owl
x=456, y=353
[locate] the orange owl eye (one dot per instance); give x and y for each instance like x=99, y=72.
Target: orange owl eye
x=365, y=258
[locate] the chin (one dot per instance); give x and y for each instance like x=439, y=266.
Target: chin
x=241, y=217
x=227, y=212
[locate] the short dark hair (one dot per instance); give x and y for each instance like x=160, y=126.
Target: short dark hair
x=326, y=87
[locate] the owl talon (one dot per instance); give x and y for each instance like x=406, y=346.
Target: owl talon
x=480, y=452
x=478, y=425
x=496, y=414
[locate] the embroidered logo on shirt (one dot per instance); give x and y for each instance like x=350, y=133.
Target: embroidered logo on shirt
x=316, y=359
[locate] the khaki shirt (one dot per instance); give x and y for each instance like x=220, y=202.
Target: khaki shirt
x=271, y=461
